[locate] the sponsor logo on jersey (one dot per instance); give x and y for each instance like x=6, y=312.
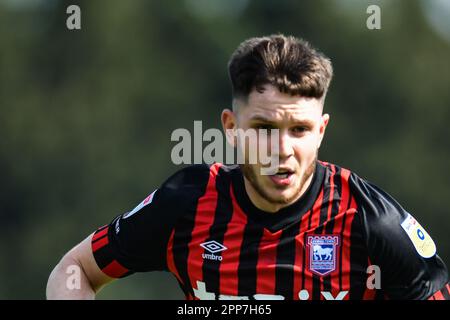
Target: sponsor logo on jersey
x=201, y=293
x=145, y=202
x=322, y=253
x=212, y=247
x=421, y=240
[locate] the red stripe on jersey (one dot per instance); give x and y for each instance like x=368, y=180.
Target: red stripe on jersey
x=100, y=243
x=324, y=163
x=100, y=233
x=369, y=294
x=330, y=208
x=437, y=296
x=203, y=221
x=311, y=222
x=267, y=262
x=170, y=260
x=300, y=248
x=232, y=240
x=190, y=297
x=115, y=269
x=346, y=247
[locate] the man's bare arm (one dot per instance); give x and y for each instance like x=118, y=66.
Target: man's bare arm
x=79, y=260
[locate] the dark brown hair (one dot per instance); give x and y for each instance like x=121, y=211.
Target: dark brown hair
x=288, y=63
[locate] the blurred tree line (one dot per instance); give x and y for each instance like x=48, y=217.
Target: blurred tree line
x=86, y=116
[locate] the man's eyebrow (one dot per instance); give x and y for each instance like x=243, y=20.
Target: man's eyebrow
x=259, y=118
x=303, y=121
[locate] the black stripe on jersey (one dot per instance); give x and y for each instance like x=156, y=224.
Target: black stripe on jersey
x=222, y=216
x=325, y=202
x=103, y=256
x=108, y=253
x=304, y=248
x=445, y=293
x=358, y=261
x=248, y=259
x=184, y=227
x=337, y=194
x=181, y=239
x=284, y=271
x=316, y=287
x=337, y=198
x=380, y=295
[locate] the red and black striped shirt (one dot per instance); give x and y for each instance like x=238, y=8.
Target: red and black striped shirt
x=201, y=226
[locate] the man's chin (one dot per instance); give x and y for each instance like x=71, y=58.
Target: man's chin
x=283, y=196
x=276, y=192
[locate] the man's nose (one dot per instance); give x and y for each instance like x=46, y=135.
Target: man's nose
x=285, y=145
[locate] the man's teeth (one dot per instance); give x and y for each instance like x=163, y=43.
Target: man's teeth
x=282, y=175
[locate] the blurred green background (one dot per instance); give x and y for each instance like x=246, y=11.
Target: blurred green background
x=86, y=116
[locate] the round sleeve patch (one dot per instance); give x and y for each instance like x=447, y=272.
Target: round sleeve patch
x=421, y=240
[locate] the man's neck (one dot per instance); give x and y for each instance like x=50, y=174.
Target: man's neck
x=263, y=204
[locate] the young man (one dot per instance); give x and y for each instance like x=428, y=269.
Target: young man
x=312, y=230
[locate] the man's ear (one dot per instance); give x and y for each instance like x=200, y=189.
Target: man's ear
x=325, y=119
x=229, y=125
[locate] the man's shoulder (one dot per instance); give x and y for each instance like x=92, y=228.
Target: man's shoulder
x=333, y=169
x=196, y=177
x=337, y=174
x=367, y=195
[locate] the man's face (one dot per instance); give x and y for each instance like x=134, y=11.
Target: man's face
x=301, y=128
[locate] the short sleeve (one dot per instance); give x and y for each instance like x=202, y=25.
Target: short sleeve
x=403, y=250
x=136, y=241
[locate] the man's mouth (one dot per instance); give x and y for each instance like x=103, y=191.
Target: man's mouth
x=283, y=177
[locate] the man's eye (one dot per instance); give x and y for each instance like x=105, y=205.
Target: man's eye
x=299, y=129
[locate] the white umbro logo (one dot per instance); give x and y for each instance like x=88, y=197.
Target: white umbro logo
x=212, y=247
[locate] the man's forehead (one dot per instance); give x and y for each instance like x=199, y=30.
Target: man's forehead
x=270, y=99
x=269, y=94
x=276, y=105
x=274, y=115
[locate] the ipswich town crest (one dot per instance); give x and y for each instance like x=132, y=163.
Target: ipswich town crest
x=323, y=253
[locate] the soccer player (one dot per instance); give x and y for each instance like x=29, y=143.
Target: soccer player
x=312, y=230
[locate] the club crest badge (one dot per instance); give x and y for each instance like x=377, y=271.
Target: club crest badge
x=323, y=253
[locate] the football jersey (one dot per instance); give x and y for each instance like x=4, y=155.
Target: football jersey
x=344, y=238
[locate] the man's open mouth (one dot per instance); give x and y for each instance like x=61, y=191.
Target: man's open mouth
x=283, y=174
x=282, y=177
